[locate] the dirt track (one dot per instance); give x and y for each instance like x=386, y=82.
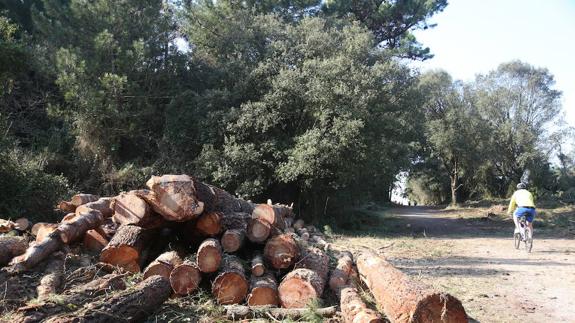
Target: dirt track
x=474, y=259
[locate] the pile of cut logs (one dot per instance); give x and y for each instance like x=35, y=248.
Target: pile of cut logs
x=180, y=231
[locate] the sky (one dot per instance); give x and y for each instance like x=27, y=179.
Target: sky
x=475, y=36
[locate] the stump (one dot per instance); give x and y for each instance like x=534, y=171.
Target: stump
x=209, y=256
x=231, y=285
x=281, y=251
x=185, y=278
x=163, y=265
x=263, y=291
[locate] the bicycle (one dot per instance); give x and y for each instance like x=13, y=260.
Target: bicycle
x=524, y=235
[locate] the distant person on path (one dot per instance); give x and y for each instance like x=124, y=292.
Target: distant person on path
x=522, y=203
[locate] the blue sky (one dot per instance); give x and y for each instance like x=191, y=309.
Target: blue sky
x=475, y=36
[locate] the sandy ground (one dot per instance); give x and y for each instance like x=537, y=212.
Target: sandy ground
x=474, y=259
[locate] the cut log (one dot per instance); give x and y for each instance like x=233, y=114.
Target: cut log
x=66, y=207
x=307, y=281
x=354, y=310
x=216, y=199
x=103, y=205
x=185, y=278
x=303, y=234
x=403, y=299
x=209, y=256
x=258, y=230
x=281, y=251
x=22, y=224
x=129, y=208
x=54, y=276
x=94, y=241
x=11, y=247
x=258, y=267
x=298, y=224
x=318, y=240
x=163, y=265
x=341, y=274
x=263, y=291
x=37, y=252
x=68, y=217
x=76, y=228
x=126, y=248
x=107, y=229
x=80, y=199
x=209, y=224
x=237, y=312
x=231, y=285
x=273, y=214
x=131, y=305
x=233, y=239
x=175, y=197
x=235, y=220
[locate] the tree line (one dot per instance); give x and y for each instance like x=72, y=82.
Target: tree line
x=307, y=101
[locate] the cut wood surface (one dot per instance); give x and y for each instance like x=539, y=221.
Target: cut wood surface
x=354, y=309
x=11, y=247
x=108, y=228
x=263, y=290
x=94, y=241
x=273, y=214
x=68, y=217
x=80, y=199
x=340, y=275
x=103, y=205
x=129, y=208
x=163, y=265
x=233, y=239
x=258, y=268
x=66, y=207
x=36, y=227
x=209, y=224
x=38, y=252
x=230, y=285
x=76, y=228
x=281, y=251
x=53, y=276
x=209, y=256
x=235, y=312
x=175, y=197
x=126, y=248
x=403, y=299
x=185, y=278
x=21, y=224
x=258, y=230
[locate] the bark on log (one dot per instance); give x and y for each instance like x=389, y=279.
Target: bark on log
x=281, y=251
x=216, y=199
x=298, y=224
x=163, y=265
x=209, y=256
x=307, y=281
x=80, y=199
x=258, y=230
x=185, y=278
x=54, y=276
x=303, y=234
x=273, y=214
x=131, y=305
x=44, y=230
x=107, y=229
x=231, y=285
x=126, y=248
x=175, y=197
x=68, y=217
x=103, y=205
x=66, y=207
x=258, y=267
x=11, y=247
x=263, y=291
x=209, y=224
x=129, y=208
x=403, y=299
x=77, y=227
x=354, y=310
x=340, y=275
x=37, y=252
x=233, y=239
x=236, y=312
x=94, y=241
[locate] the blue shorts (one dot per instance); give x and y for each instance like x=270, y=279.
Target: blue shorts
x=527, y=211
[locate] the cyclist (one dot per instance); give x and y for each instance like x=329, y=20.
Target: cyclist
x=522, y=203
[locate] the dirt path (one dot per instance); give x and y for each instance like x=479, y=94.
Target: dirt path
x=474, y=259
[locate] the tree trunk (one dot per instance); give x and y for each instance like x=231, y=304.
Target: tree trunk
x=175, y=197
x=127, y=247
x=185, y=278
x=403, y=299
x=103, y=205
x=341, y=274
x=307, y=281
x=131, y=305
x=77, y=227
x=209, y=256
x=209, y=224
x=163, y=265
x=263, y=291
x=94, y=241
x=258, y=230
x=237, y=312
x=11, y=247
x=54, y=276
x=80, y=199
x=231, y=285
x=258, y=267
x=281, y=251
x=37, y=252
x=233, y=239
x=353, y=309
x=129, y=208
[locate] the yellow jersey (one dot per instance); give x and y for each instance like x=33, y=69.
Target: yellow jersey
x=520, y=198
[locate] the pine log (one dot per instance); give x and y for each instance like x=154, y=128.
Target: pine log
x=129, y=208
x=185, y=278
x=231, y=285
x=235, y=220
x=342, y=273
x=77, y=227
x=298, y=224
x=233, y=239
x=281, y=251
x=209, y=256
x=11, y=247
x=403, y=299
x=80, y=199
x=303, y=234
x=54, y=276
x=307, y=281
x=318, y=240
x=36, y=227
x=263, y=291
x=288, y=222
x=94, y=241
x=258, y=230
x=103, y=205
x=258, y=267
x=273, y=214
x=130, y=305
x=238, y=312
x=163, y=265
x=216, y=199
x=126, y=248
x=353, y=308
x=107, y=229
x=209, y=224
x=68, y=217
x=175, y=197
x=66, y=207
x=37, y=252
x=21, y=224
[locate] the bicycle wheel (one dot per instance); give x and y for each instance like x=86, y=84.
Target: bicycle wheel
x=528, y=239
x=517, y=238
